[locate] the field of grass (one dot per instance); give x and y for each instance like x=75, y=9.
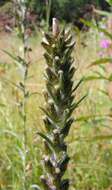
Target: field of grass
x=89, y=141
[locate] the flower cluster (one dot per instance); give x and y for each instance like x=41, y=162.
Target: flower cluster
x=105, y=41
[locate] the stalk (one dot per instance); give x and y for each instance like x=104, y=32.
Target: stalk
x=48, y=12
x=60, y=104
x=21, y=18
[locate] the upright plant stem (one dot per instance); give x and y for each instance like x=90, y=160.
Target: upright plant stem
x=24, y=99
x=48, y=12
x=25, y=54
x=22, y=10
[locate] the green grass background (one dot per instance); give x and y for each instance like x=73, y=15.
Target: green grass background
x=89, y=141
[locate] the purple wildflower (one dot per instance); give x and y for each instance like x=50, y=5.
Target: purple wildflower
x=105, y=43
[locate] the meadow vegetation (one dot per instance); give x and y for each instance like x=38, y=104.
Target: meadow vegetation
x=89, y=149
x=89, y=141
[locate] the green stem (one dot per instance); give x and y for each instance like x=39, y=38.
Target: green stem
x=48, y=12
x=21, y=8
x=25, y=58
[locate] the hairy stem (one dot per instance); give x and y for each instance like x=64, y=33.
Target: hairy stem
x=22, y=7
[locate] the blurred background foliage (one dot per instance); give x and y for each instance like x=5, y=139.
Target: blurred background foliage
x=65, y=10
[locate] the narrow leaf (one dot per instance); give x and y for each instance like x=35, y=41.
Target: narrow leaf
x=78, y=84
x=89, y=78
x=10, y=55
x=108, y=34
x=101, y=61
x=46, y=138
x=75, y=105
x=102, y=13
x=50, y=118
